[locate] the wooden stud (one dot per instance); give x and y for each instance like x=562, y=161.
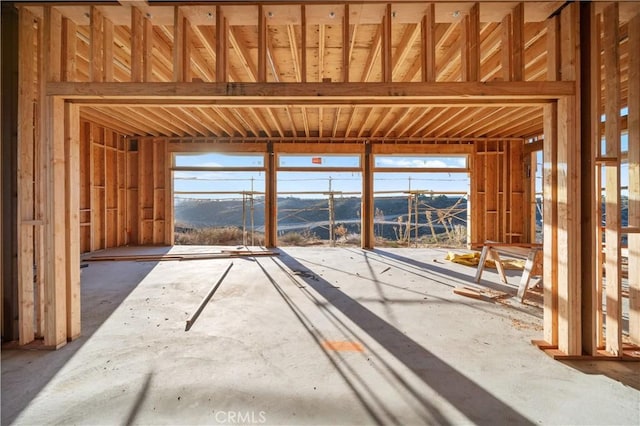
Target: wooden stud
x=25, y=205
x=181, y=46
x=367, y=205
x=428, y=45
x=569, y=241
x=55, y=271
x=69, y=43
x=517, y=40
x=262, y=45
x=550, y=227
x=470, y=49
x=506, y=48
x=72, y=229
x=137, y=45
x=612, y=180
x=634, y=179
x=386, y=46
x=107, y=50
x=271, y=198
x=303, y=44
x=590, y=142
x=222, y=32
x=147, y=51
x=346, y=44
x=96, y=45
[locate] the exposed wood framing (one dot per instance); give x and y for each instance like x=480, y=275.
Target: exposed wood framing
x=610, y=44
x=590, y=135
x=428, y=47
x=634, y=179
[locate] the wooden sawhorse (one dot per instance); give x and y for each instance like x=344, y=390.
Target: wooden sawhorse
x=529, y=252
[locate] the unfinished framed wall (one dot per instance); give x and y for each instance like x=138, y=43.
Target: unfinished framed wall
x=460, y=82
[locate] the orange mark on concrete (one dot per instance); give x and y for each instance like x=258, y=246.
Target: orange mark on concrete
x=342, y=346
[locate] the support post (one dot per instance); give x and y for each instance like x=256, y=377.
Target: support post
x=590, y=141
x=72, y=230
x=613, y=259
x=428, y=44
x=271, y=198
x=367, y=237
x=222, y=71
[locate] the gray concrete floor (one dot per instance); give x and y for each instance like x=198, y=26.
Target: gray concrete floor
x=258, y=353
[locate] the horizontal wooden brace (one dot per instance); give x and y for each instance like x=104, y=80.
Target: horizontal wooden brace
x=292, y=93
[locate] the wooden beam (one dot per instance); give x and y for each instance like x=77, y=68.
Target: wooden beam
x=262, y=45
x=387, y=70
x=480, y=92
x=53, y=41
x=589, y=147
x=634, y=178
x=470, y=48
x=613, y=260
x=428, y=44
x=25, y=203
x=72, y=229
x=222, y=33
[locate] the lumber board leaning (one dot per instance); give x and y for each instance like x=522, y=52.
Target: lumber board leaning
x=196, y=314
x=634, y=179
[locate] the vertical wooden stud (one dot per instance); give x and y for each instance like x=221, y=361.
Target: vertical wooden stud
x=262, y=45
x=147, y=51
x=107, y=51
x=346, y=43
x=222, y=72
x=550, y=228
x=178, y=42
x=634, y=179
x=569, y=241
x=590, y=141
x=96, y=45
x=612, y=180
x=55, y=333
x=386, y=46
x=470, y=49
x=367, y=214
x=72, y=163
x=271, y=197
x=303, y=44
x=428, y=45
x=26, y=142
x=517, y=41
x=137, y=45
x=68, y=50
x=506, y=48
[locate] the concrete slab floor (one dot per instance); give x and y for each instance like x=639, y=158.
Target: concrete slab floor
x=313, y=336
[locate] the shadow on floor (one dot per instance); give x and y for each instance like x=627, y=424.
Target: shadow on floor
x=469, y=398
x=25, y=372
